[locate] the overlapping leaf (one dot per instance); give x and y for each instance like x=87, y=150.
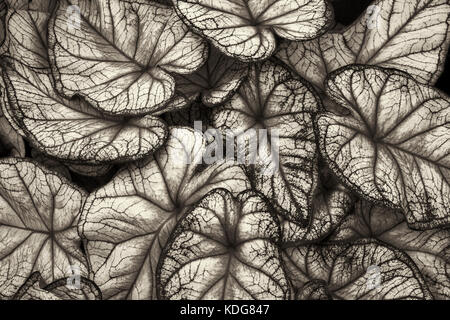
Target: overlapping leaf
x=394, y=147
x=285, y=169
x=188, y=117
x=128, y=221
x=215, y=82
x=119, y=55
x=63, y=128
x=246, y=29
x=344, y=271
x=224, y=249
x=3, y=12
x=430, y=249
x=412, y=36
x=11, y=142
x=41, y=5
x=39, y=212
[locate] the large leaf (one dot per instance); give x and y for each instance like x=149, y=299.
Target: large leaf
x=346, y=271
x=285, y=171
x=224, y=249
x=39, y=212
x=128, y=221
x=393, y=148
x=215, y=82
x=430, y=249
x=63, y=128
x=246, y=29
x=122, y=53
x=412, y=36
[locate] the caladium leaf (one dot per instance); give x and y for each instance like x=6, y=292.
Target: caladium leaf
x=45, y=6
x=428, y=249
x=246, y=29
x=62, y=128
x=39, y=212
x=393, y=149
x=215, y=82
x=285, y=169
x=411, y=36
x=62, y=289
x=119, y=54
x=128, y=221
x=363, y=270
x=226, y=248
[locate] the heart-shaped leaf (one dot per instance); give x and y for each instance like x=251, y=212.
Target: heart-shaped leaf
x=363, y=270
x=128, y=221
x=62, y=128
x=246, y=29
x=119, y=54
x=430, y=249
x=393, y=148
x=224, y=249
x=285, y=168
x=412, y=36
x=39, y=212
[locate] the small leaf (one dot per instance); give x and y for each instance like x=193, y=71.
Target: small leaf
x=119, y=55
x=411, y=36
x=246, y=29
x=393, y=149
x=363, y=270
x=39, y=212
x=224, y=249
x=128, y=221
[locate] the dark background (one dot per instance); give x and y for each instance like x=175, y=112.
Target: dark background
x=346, y=11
